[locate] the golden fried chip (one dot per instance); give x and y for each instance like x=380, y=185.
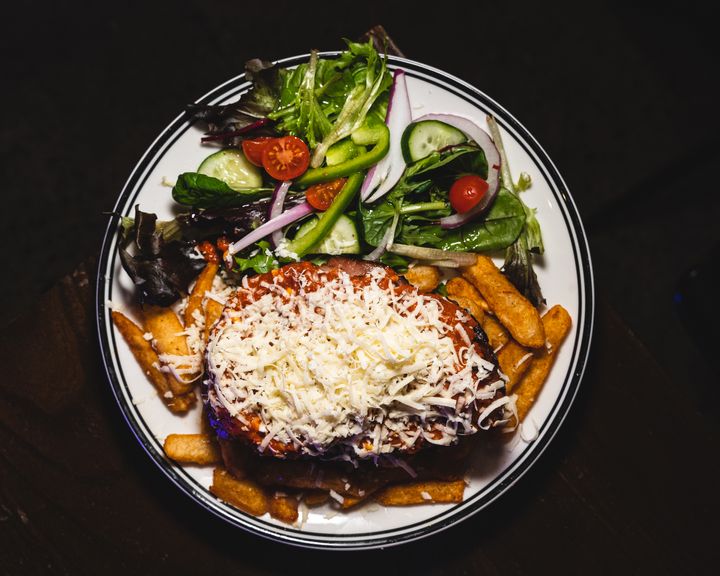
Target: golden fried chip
x=464, y=294
x=422, y=493
x=557, y=324
x=243, y=494
x=496, y=333
x=352, y=501
x=514, y=311
x=470, y=306
x=284, y=507
x=203, y=284
x=424, y=278
x=149, y=361
x=458, y=286
x=514, y=361
x=213, y=311
x=167, y=329
x=199, y=449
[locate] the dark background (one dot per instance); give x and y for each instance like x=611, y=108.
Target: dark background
x=622, y=98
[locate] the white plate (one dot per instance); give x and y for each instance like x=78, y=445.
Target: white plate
x=565, y=276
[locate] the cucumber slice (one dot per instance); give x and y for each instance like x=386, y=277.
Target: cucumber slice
x=233, y=168
x=342, y=238
x=420, y=139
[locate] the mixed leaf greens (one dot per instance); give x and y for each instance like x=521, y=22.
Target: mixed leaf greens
x=325, y=100
x=419, y=200
x=161, y=269
x=334, y=105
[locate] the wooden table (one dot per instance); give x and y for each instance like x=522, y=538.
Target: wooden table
x=629, y=485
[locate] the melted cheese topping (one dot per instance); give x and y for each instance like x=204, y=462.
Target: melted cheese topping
x=367, y=367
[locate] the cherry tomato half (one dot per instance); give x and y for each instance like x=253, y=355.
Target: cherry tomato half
x=321, y=196
x=466, y=192
x=253, y=149
x=285, y=158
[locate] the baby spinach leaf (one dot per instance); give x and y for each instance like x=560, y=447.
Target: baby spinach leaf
x=262, y=261
x=498, y=229
x=201, y=191
x=417, y=234
x=374, y=221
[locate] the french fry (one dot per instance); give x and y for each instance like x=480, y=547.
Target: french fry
x=459, y=286
x=149, y=361
x=213, y=311
x=198, y=449
x=514, y=311
x=496, y=333
x=167, y=329
x=514, y=361
x=195, y=300
x=467, y=296
x=352, y=501
x=284, y=508
x=422, y=493
x=243, y=494
x=557, y=323
x=424, y=278
x=470, y=306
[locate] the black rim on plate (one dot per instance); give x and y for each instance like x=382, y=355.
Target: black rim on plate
x=583, y=326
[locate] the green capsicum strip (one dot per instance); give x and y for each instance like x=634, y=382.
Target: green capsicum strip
x=377, y=135
x=303, y=245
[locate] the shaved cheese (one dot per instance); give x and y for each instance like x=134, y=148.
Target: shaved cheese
x=508, y=401
x=337, y=363
x=303, y=516
x=523, y=359
x=335, y=496
x=425, y=495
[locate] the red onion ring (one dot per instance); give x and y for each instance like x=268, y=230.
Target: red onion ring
x=276, y=208
x=286, y=218
x=482, y=138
